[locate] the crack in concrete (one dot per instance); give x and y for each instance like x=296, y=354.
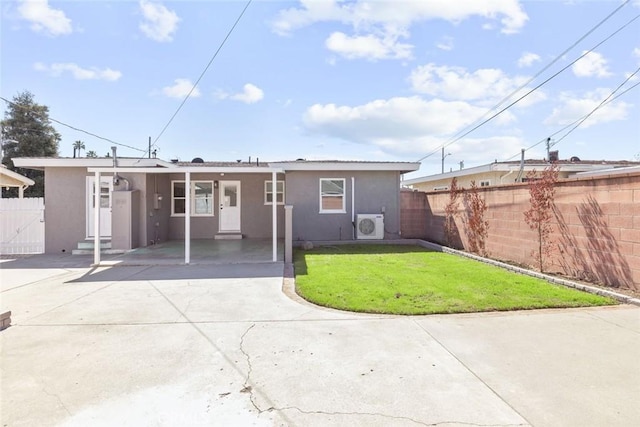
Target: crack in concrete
x=247, y=381
x=58, y=398
x=395, y=417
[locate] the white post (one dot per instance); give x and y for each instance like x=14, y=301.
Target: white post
x=187, y=217
x=274, y=210
x=288, y=234
x=21, y=192
x=353, y=208
x=96, y=219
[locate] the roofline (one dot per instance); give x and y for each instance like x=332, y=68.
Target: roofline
x=578, y=167
x=609, y=171
x=310, y=165
x=184, y=169
x=11, y=174
x=56, y=162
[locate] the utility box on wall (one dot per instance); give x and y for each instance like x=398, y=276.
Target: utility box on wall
x=125, y=214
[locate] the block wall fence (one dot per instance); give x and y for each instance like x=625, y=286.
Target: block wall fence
x=596, y=227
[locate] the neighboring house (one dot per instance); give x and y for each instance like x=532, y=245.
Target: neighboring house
x=144, y=201
x=500, y=173
x=9, y=178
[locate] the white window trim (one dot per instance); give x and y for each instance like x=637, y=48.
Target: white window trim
x=266, y=183
x=344, y=196
x=193, y=198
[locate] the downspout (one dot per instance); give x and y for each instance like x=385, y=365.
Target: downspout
x=505, y=175
x=519, y=177
x=353, y=208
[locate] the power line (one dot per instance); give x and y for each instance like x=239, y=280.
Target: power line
x=599, y=105
x=76, y=128
x=456, y=139
x=201, y=75
x=608, y=101
x=545, y=68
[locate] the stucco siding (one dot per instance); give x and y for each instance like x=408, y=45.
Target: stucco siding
x=65, y=208
x=375, y=192
x=256, y=221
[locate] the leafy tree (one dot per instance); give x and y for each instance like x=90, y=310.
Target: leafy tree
x=27, y=132
x=78, y=145
x=91, y=154
x=542, y=193
x=477, y=227
x=450, y=213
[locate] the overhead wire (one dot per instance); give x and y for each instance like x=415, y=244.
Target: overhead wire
x=195, y=85
x=482, y=123
x=545, y=68
x=77, y=128
x=608, y=101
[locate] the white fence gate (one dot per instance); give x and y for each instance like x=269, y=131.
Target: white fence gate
x=21, y=226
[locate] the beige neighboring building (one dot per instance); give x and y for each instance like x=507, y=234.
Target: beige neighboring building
x=502, y=173
x=9, y=178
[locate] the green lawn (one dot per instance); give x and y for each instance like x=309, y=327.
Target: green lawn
x=403, y=279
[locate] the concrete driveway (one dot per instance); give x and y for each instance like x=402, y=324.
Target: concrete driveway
x=223, y=345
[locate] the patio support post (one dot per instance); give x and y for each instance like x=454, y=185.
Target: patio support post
x=96, y=219
x=187, y=217
x=274, y=210
x=288, y=234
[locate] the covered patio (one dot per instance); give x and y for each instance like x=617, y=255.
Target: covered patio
x=203, y=252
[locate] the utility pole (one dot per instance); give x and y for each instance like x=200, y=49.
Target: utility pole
x=548, y=147
x=443, y=157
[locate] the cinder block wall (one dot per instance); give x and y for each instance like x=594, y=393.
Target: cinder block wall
x=596, y=227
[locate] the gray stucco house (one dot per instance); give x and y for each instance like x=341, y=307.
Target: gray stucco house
x=145, y=201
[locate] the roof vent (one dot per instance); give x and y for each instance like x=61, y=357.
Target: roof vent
x=301, y=160
x=197, y=160
x=174, y=160
x=574, y=159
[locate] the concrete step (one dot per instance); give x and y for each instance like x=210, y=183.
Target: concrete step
x=89, y=244
x=228, y=236
x=102, y=251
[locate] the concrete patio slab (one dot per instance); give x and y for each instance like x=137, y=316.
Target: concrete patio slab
x=215, y=345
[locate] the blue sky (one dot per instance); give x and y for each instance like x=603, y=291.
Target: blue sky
x=361, y=80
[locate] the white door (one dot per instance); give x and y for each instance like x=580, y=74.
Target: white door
x=106, y=187
x=229, y=199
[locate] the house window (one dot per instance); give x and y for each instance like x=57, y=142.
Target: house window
x=442, y=188
x=485, y=183
x=201, y=198
x=268, y=192
x=332, y=195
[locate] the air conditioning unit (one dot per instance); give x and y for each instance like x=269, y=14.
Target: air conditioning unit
x=370, y=226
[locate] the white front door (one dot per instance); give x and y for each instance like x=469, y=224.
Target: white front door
x=106, y=187
x=229, y=199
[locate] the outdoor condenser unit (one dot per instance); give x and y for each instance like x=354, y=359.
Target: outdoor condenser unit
x=370, y=226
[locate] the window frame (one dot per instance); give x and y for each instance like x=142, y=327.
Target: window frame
x=485, y=183
x=192, y=197
x=344, y=196
x=267, y=192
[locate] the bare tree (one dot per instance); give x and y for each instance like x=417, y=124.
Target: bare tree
x=542, y=193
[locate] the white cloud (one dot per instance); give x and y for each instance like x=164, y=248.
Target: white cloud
x=445, y=44
x=180, y=89
x=573, y=108
x=370, y=47
x=159, y=22
x=79, y=73
x=378, y=25
x=527, y=59
x=485, y=85
x=592, y=64
x=398, y=15
x=250, y=94
x=401, y=124
x=44, y=18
